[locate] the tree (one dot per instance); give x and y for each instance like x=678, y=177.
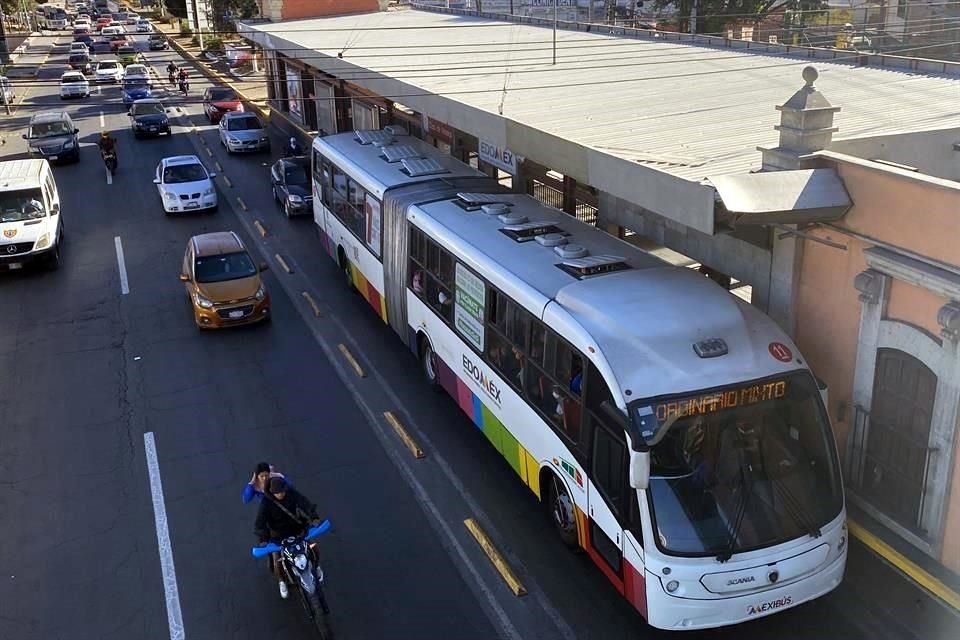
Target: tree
x=714, y=15
x=223, y=12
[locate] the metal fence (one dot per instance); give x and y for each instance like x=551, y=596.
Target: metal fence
x=553, y=197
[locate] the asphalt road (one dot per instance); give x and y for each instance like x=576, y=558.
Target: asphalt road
x=92, y=370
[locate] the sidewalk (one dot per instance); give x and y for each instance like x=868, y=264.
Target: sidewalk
x=28, y=56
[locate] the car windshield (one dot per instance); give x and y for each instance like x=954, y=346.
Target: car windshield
x=107, y=66
x=134, y=83
x=245, y=123
x=298, y=174
x=23, y=204
x=743, y=467
x=49, y=129
x=221, y=95
x=227, y=266
x=126, y=50
x=147, y=108
x=178, y=173
x=75, y=77
x=79, y=57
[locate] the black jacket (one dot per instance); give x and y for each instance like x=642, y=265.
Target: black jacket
x=274, y=524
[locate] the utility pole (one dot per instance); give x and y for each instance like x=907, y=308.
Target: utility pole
x=694, y=7
x=4, y=53
x=556, y=4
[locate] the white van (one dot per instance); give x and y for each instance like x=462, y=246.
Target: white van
x=112, y=30
x=30, y=224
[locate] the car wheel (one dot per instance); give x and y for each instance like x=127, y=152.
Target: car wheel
x=53, y=258
x=286, y=209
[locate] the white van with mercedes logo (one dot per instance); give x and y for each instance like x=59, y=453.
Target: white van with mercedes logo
x=31, y=228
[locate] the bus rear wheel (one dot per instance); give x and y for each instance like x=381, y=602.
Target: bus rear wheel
x=428, y=361
x=561, y=513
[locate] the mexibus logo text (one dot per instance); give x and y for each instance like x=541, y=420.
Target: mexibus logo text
x=480, y=377
x=754, y=609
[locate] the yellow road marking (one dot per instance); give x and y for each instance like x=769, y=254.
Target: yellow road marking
x=312, y=303
x=498, y=562
x=259, y=225
x=353, y=361
x=915, y=573
x=283, y=263
x=243, y=205
x=403, y=435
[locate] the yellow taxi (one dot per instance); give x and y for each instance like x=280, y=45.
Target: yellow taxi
x=223, y=282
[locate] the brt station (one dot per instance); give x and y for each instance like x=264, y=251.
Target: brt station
x=705, y=150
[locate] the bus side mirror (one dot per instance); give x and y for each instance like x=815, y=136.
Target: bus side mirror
x=824, y=393
x=640, y=469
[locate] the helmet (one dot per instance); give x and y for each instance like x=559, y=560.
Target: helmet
x=104, y=134
x=293, y=141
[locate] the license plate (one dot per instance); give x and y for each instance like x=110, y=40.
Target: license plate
x=236, y=314
x=53, y=157
x=192, y=205
x=153, y=128
x=15, y=265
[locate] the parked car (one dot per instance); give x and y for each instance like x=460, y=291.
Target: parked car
x=127, y=54
x=73, y=84
x=157, y=42
x=185, y=184
x=52, y=135
x=241, y=131
x=290, y=180
x=81, y=61
x=109, y=71
x=222, y=281
x=143, y=26
x=148, y=117
x=218, y=101
x=135, y=89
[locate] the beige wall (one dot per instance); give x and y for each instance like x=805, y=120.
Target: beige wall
x=921, y=217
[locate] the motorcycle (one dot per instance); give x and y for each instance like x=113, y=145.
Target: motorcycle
x=184, y=87
x=172, y=77
x=110, y=161
x=299, y=569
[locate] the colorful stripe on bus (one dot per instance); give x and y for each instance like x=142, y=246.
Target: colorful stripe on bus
x=367, y=290
x=631, y=585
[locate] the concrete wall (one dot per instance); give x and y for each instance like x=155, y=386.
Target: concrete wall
x=913, y=215
x=932, y=152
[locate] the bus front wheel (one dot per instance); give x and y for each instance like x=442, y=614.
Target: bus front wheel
x=561, y=513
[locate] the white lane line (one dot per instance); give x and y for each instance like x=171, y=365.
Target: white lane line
x=103, y=123
x=124, y=285
x=172, y=593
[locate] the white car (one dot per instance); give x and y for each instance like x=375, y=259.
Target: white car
x=73, y=84
x=143, y=26
x=78, y=47
x=109, y=71
x=133, y=18
x=136, y=71
x=184, y=184
x=82, y=21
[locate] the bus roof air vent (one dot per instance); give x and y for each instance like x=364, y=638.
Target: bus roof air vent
x=397, y=130
x=398, y=152
x=512, y=219
x=710, y=348
x=525, y=231
x=474, y=201
x=551, y=239
x=584, y=267
x=495, y=209
x=571, y=251
x=367, y=136
x=417, y=167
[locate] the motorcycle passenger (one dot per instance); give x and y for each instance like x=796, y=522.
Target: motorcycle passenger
x=294, y=149
x=258, y=483
x=284, y=512
x=107, y=144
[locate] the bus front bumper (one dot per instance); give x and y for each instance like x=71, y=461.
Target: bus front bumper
x=684, y=614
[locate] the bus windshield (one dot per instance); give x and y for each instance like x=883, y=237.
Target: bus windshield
x=741, y=467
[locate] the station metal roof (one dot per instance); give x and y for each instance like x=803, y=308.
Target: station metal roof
x=683, y=108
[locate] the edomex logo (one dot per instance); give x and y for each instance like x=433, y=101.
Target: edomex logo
x=481, y=378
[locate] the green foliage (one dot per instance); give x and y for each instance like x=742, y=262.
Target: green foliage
x=213, y=44
x=715, y=15
x=185, y=30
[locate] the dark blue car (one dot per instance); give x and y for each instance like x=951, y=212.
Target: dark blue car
x=136, y=89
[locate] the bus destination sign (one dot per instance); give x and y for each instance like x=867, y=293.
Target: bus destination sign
x=720, y=400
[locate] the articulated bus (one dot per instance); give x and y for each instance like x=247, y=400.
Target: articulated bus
x=670, y=429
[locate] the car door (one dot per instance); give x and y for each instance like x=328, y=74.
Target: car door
x=276, y=177
x=223, y=130
x=187, y=268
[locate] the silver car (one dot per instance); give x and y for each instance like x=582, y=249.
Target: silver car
x=242, y=131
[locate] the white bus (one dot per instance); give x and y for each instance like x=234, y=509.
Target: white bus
x=670, y=429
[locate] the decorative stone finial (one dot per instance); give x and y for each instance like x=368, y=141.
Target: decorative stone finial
x=810, y=76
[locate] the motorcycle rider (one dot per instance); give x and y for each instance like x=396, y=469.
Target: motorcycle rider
x=283, y=512
x=172, y=72
x=107, y=144
x=183, y=83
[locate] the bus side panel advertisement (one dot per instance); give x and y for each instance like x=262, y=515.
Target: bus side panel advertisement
x=470, y=301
